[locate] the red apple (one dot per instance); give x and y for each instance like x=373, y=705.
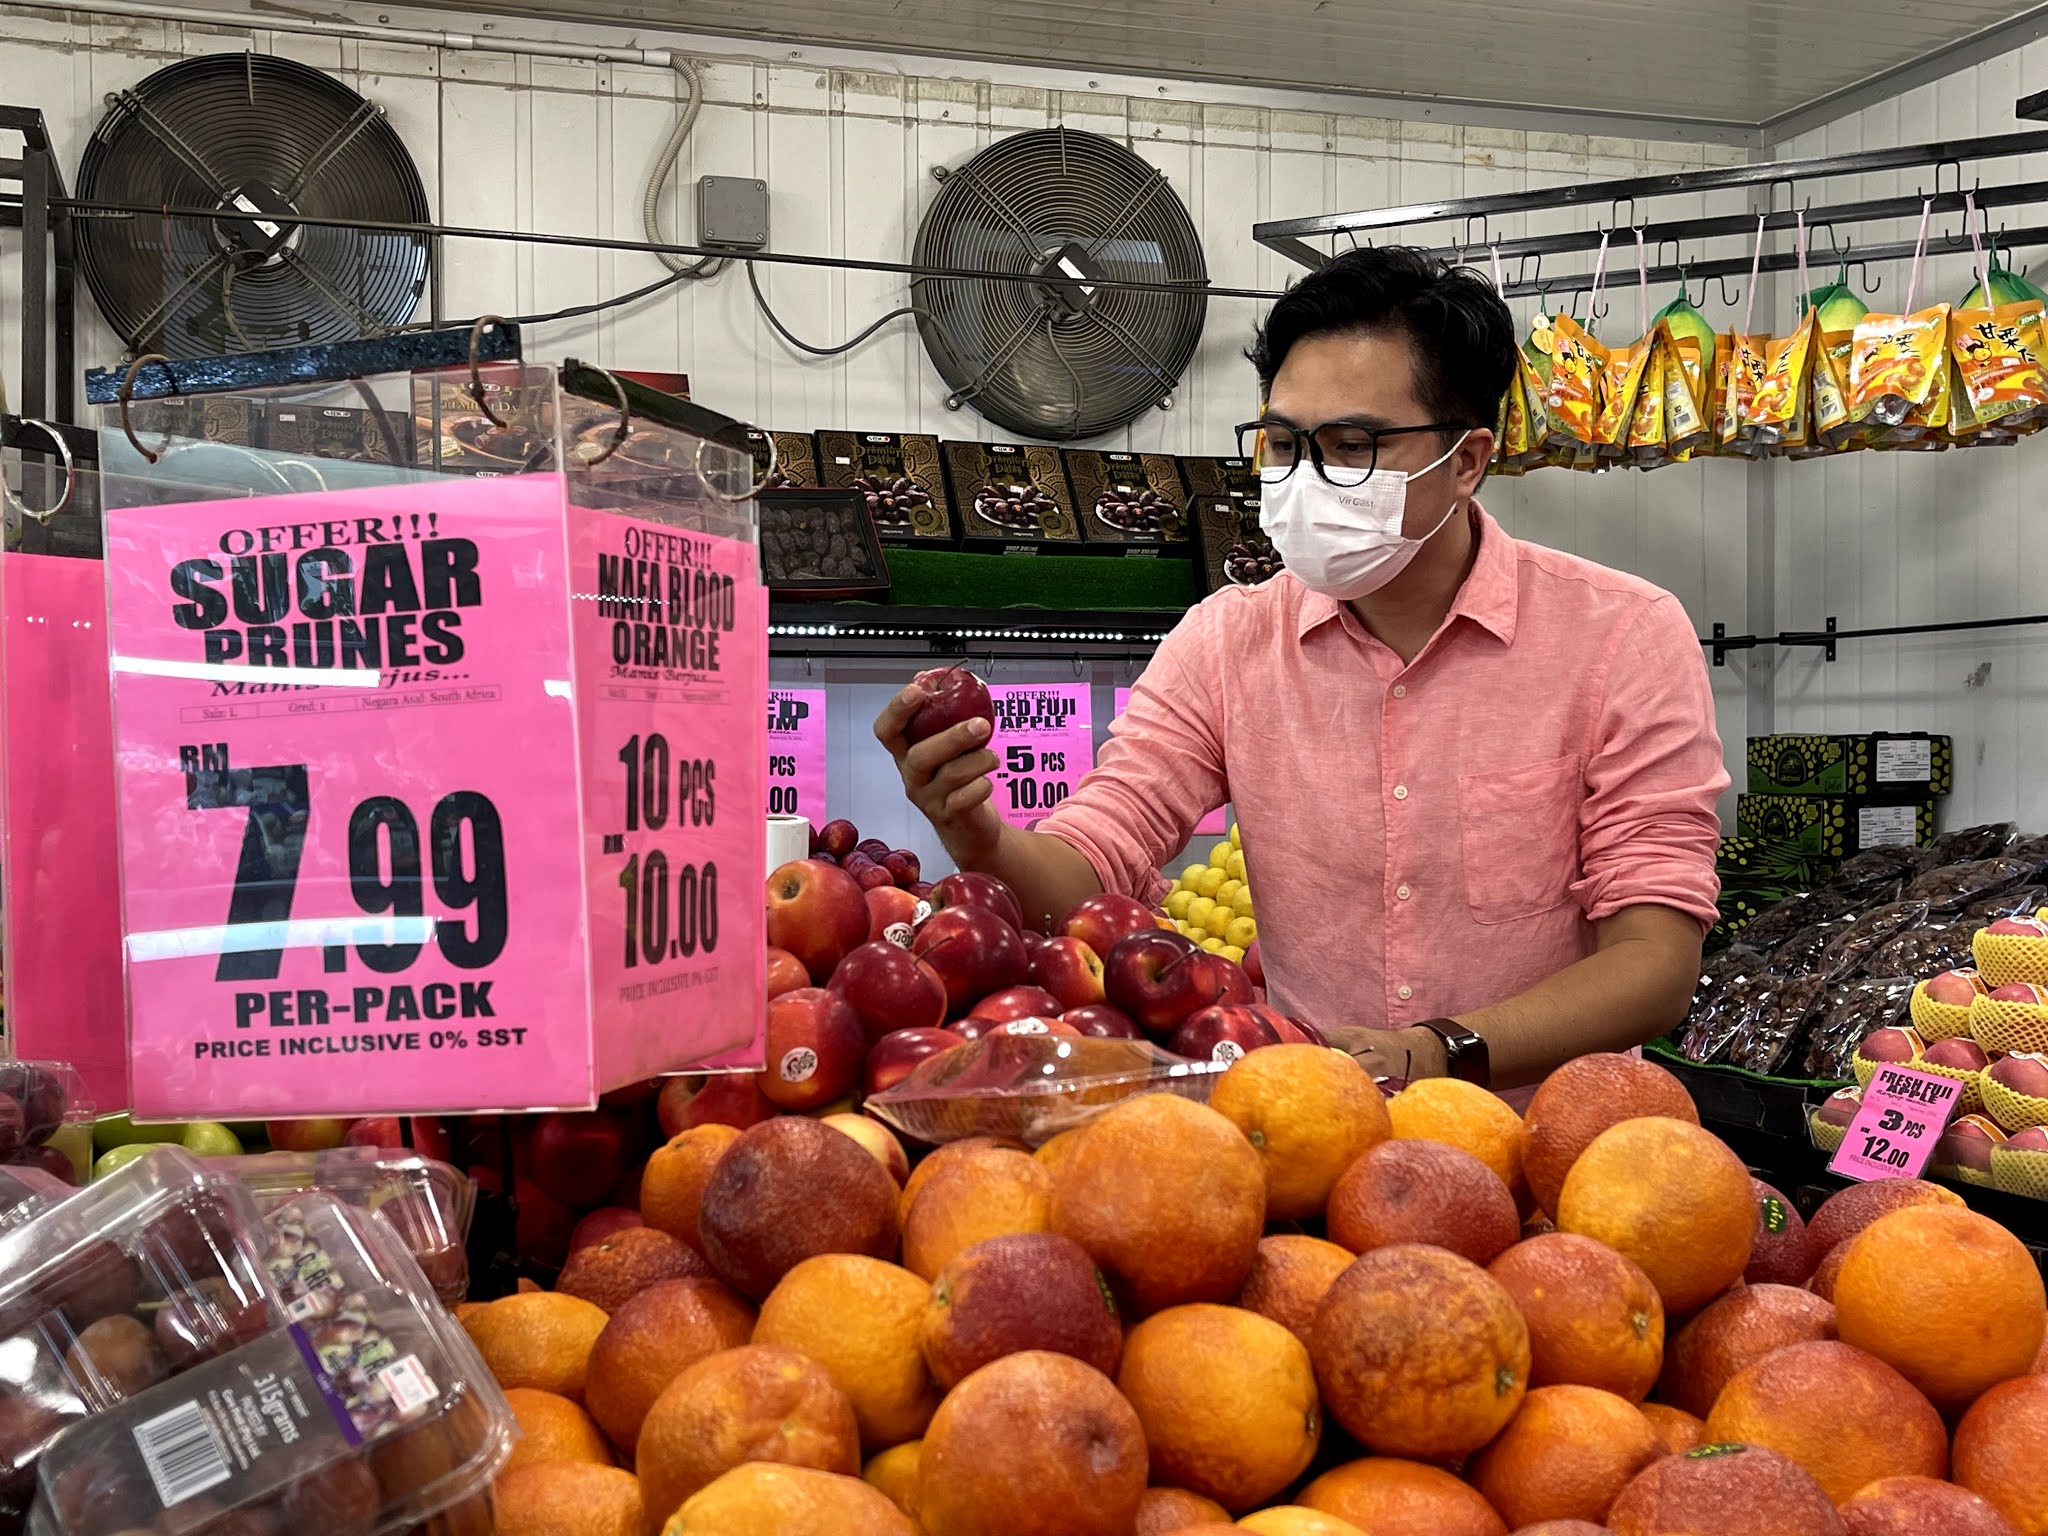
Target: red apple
x=673, y=1102
x=891, y=1058
x=544, y=1226
x=579, y=1157
x=1292, y=1031
x=2024, y=1072
x=956, y=695
x=1254, y=966
x=923, y=890
x=1222, y=1034
x=976, y=1026
x=1103, y=1022
x=880, y=1142
x=815, y=1047
x=1892, y=1043
x=306, y=1135
x=889, y=989
x=2021, y=992
x=1840, y=1107
x=606, y=1221
x=817, y=913
x=872, y=848
x=2022, y=927
x=1961, y=1052
x=974, y=952
x=2033, y=1139
x=903, y=867
x=1069, y=970
x=892, y=913
x=1970, y=1140
x=728, y=1098
x=1955, y=988
x=785, y=972
x=838, y=838
x=379, y=1131
x=1161, y=979
x=1101, y=920
x=1017, y=1003
x=969, y=889
x=873, y=877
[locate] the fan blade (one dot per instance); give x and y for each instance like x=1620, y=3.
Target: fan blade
x=1123, y=339
x=367, y=323
x=145, y=328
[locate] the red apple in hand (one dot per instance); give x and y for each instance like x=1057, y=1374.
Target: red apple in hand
x=1068, y=969
x=1222, y=1034
x=817, y=913
x=815, y=1047
x=969, y=889
x=888, y=989
x=892, y=1057
x=728, y=1098
x=1955, y=988
x=1016, y=1003
x=785, y=972
x=838, y=838
x=974, y=952
x=1101, y=1022
x=892, y=914
x=956, y=695
x=578, y=1158
x=1101, y=920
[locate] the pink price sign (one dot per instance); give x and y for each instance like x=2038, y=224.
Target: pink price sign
x=1903, y=1115
x=1213, y=824
x=1044, y=743
x=796, y=753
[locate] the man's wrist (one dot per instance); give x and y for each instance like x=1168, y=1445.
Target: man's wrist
x=1427, y=1054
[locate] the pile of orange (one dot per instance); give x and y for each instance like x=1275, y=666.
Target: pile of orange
x=1130, y=1333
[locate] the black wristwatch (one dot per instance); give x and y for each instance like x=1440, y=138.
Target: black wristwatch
x=1465, y=1054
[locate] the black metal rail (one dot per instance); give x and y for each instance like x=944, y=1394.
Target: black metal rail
x=32, y=200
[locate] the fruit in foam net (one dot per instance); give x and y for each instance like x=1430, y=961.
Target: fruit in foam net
x=1957, y=989
x=1840, y=1107
x=2033, y=1138
x=2019, y=927
x=955, y=695
x=2024, y=1072
x=1892, y=1043
x=2026, y=993
x=1970, y=1140
x=1961, y=1053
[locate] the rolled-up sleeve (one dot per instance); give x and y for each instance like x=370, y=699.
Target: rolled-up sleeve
x=1648, y=829
x=1162, y=769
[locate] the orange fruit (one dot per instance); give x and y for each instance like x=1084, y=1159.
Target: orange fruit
x=1465, y=1116
x=1843, y=1415
x=1679, y=1430
x=790, y=1188
x=1227, y=1399
x=1724, y=1490
x=1594, y=1318
x=538, y=1339
x=988, y=1192
x=1296, y=1520
x=1670, y=1196
x=1998, y=1452
x=858, y=1317
x=1407, y=1191
x=1030, y=1290
x=1168, y=1197
x=1848, y=1211
x=763, y=1499
x=1732, y=1334
x=1033, y=1444
x=1581, y=1099
x=894, y=1471
x=653, y=1339
x=1822, y=1281
x=672, y=1185
x=1419, y=1353
x=1308, y=1112
x=568, y=1498
x=1052, y=1153
x=754, y=1403
x=932, y=1162
x=608, y=1273
x=552, y=1428
x=1386, y=1496
x=1165, y=1511
x=1948, y=1298
x=1566, y=1456
x=1920, y=1506
x=1290, y=1276
x=1564, y=1528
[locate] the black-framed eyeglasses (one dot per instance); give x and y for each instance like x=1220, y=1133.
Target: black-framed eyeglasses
x=1343, y=452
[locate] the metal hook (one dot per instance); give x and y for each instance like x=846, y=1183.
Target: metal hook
x=1484, y=230
x=476, y=379
x=1614, y=213
x=807, y=663
x=1522, y=268
x=127, y=390
x=1727, y=298
x=1077, y=665
x=619, y=432
x=1867, y=283
x=43, y=515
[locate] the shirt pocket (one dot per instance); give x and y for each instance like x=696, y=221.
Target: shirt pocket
x=1519, y=834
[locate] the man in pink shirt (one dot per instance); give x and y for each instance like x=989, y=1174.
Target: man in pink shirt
x=1475, y=778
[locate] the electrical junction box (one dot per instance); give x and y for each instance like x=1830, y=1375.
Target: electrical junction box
x=732, y=211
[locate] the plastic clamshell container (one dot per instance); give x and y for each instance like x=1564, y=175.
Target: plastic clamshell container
x=26, y=1192
x=145, y=1275
x=1032, y=1086
x=370, y=1412
x=56, y=1113
x=427, y=1203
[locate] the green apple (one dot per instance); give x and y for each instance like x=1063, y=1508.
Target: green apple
x=120, y=1157
x=111, y=1131
x=209, y=1138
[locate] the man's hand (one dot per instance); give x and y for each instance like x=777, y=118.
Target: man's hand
x=946, y=777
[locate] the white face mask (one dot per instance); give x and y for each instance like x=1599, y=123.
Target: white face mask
x=1343, y=541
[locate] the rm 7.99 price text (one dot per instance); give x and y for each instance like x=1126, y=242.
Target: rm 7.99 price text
x=671, y=909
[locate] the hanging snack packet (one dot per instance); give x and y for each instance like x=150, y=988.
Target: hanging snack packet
x=1895, y=362
x=1998, y=354
x=1776, y=415
x=1621, y=381
x=1685, y=421
x=1646, y=442
x=1531, y=387
x=1511, y=430
x=1746, y=369
x=1578, y=365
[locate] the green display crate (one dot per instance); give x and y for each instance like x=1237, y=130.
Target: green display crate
x=1897, y=767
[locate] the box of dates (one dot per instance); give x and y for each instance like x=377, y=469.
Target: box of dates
x=783, y=460
x=820, y=546
x=1013, y=500
x=1224, y=509
x=899, y=478
x=1130, y=503
x=367, y=1411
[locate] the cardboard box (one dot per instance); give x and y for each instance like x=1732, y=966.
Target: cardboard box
x=336, y=432
x=1834, y=826
x=820, y=546
x=1224, y=509
x=795, y=456
x=900, y=475
x=1895, y=766
x=1013, y=499
x=1130, y=503
x=1219, y=477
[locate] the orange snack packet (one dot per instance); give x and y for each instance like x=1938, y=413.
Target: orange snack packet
x=1744, y=374
x=1776, y=417
x=1621, y=382
x=1685, y=418
x=1578, y=366
x=1999, y=363
x=1896, y=364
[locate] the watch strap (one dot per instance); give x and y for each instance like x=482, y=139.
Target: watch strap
x=1466, y=1056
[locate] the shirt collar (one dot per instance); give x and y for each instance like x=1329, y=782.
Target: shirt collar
x=1488, y=596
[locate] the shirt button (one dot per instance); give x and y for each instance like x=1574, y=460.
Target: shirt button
x=1404, y=993
x=1400, y=791
x=1400, y=690
x=1402, y=892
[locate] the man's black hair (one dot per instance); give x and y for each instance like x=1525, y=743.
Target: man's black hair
x=1458, y=328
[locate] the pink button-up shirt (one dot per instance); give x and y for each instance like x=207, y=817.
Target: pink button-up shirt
x=1427, y=839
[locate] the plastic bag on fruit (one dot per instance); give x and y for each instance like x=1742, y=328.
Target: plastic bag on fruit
x=1030, y=1086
